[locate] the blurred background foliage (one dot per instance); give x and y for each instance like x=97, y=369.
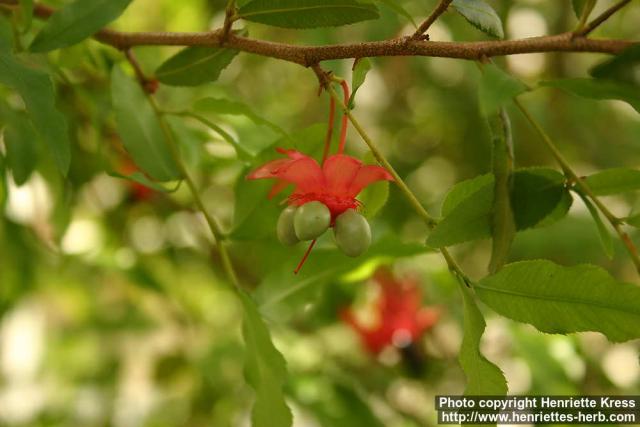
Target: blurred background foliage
x=115, y=311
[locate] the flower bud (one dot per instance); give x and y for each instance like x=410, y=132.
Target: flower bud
x=311, y=220
x=352, y=233
x=284, y=229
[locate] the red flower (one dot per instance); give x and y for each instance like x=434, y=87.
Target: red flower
x=336, y=183
x=138, y=191
x=401, y=317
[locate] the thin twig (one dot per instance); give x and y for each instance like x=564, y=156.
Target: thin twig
x=310, y=55
x=602, y=18
x=229, y=18
x=439, y=10
x=615, y=222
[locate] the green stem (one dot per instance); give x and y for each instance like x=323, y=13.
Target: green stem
x=406, y=191
x=208, y=123
x=615, y=222
x=211, y=222
x=584, y=15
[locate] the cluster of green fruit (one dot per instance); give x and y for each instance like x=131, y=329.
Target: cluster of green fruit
x=309, y=221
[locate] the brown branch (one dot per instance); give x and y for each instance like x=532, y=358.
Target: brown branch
x=439, y=10
x=600, y=19
x=310, y=55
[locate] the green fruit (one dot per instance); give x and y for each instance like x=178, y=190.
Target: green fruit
x=311, y=220
x=284, y=230
x=352, y=233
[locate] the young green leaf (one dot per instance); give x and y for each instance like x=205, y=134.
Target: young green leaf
x=307, y=13
x=228, y=107
x=36, y=90
x=614, y=181
x=21, y=144
x=139, y=128
x=142, y=179
x=538, y=194
x=483, y=377
x=624, y=67
x=480, y=15
x=26, y=14
x=562, y=300
x=496, y=89
x=598, y=89
x=373, y=198
x=605, y=236
x=360, y=69
x=75, y=22
x=503, y=226
x=397, y=8
x=195, y=65
x=578, y=5
x=265, y=369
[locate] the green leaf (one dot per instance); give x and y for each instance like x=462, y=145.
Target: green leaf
x=141, y=178
x=480, y=15
x=633, y=220
x=37, y=92
x=598, y=89
x=624, y=66
x=26, y=14
x=562, y=300
x=464, y=189
x=397, y=8
x=139, y=128
x=20, y=140
x=578, y=5
x=195, y=65
x=503, y=226
x=483, y=377
x=496, y=89
x=307, y=13
x=605, y=236
x=265, y=370
x=75, y=22
x=373, y=198
x=613, y=181
x=360, y=69
x=228, y=107
x=538, y=193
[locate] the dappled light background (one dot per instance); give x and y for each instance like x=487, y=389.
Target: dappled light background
x=115, y=310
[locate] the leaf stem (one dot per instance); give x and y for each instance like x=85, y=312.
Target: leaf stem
x=329, y=135
x=584, y=15
x=439, y=10
x=406, y=191
x=345, y=122
x=615, y=222
x=215, y=228
x=602, y=18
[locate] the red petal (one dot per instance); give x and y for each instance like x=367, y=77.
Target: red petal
x=368, y=175
x=277, y=187
x=269, y=170
x=340, y=170
x=298, y=169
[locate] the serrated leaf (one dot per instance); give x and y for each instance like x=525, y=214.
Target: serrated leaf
x=75, y=22
x=464, y=189
x=226, y=106
x=503, y=226
x=20, y=141
x=624, y=67
x=360, y=69
x=139, y=128
x=264, y=369
x=397, y=8
x=598, y=89
x=480, y=15
x=605, y=236
x=307, y=13
x=37, y=92
x=195, y=65
x=613, y=181
x=496, y=88
x=537, y=194
x=562, y=300
x=483, y=377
